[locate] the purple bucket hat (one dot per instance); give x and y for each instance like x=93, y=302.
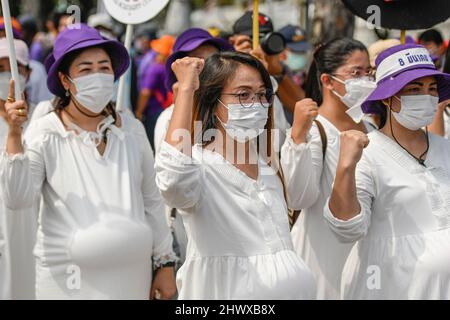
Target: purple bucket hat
x=190, y=40
x=399, y=65
x=80, y=38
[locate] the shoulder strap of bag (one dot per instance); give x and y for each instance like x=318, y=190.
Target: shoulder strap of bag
x=323, y=137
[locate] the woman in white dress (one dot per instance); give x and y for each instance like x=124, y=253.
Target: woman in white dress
x=309, y=167
x=230, y=198
x=393, y=199
x=101, y=222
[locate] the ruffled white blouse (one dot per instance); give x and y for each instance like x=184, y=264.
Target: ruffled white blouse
x=17, y=239
x=101, y=222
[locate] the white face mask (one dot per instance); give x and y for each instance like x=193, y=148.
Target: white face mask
x=416, y=111
x=245, y=123
x=94, y=91
x=357, y=90
x=4, y=84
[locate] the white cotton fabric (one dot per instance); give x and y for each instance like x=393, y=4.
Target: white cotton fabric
x=280, y=124
x=161, y=127
x=17, y=239
x=309, y=181
x=102, y=218
x=402, y=233
x=239, y=244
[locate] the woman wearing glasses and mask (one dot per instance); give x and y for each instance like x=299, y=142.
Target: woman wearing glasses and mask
x=227, y=186
x=393, y=198
x=101, y=222
x=338, y=80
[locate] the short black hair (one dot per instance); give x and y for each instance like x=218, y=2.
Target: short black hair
x=431, y=35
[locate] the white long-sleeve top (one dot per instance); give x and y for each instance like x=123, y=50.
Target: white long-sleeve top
x=309, y=179
x=402, y=233
x=239, y=244
x=102, y=218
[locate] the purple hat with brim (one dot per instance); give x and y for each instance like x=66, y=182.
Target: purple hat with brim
x=190, y=40
x=77, y=38
x=398, y=66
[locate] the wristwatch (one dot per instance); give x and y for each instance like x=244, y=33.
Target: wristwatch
x=280, y=77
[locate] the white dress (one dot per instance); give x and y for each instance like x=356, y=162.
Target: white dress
x=239, y=244
x=402, y=233
x=102, y=218
x=17, y=239
x=309, y=181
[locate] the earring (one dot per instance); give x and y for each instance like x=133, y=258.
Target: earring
x=67, y=93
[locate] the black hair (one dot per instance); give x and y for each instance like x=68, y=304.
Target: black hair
x=327, y=59
x=431, y=35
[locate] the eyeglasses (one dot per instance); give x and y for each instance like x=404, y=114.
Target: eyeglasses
x=356, y=73
x=247, y=98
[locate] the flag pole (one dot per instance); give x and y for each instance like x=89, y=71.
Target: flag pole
x=255, y=24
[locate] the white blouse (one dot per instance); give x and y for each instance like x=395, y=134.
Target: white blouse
x=309, y=179
x=102, y=218
x=17, y=239
x=447, y=125
x=402, y=233
x=239, y=245
x=161, y=127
